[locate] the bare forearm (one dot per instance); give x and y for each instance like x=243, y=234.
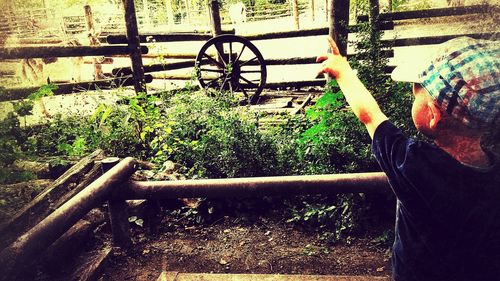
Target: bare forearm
x=362, y=103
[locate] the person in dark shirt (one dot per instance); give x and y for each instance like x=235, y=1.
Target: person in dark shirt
x=448, y=191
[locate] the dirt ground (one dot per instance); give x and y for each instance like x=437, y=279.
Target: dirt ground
x=267, y=245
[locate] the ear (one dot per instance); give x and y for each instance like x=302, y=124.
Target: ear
x=435, y=114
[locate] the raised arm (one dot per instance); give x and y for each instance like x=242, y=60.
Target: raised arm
x=362, y=103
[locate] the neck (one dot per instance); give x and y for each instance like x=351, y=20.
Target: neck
x=465, y=149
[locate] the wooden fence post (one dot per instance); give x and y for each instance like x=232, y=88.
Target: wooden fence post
x=338, y=23
x=215, y=17
x=94, y=41
x=118, y=213
x=311, y=2
x=296, y=13
x=134, y=46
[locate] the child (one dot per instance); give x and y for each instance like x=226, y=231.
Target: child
x=448, y=191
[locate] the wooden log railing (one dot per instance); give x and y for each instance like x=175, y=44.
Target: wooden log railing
x=66, y=88
x=63, y=51
x=41, y=236
x=178, y=37
x=35, y=241
x=190, y=63
x=430, y=13
x=169, y=37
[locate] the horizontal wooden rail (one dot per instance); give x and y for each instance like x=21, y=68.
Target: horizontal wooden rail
x=308, y=32
x=155, y=67
x=430, y=40
x=67, y=88
x=190, y=63
x=168, y=37
x=31, y=244
x=430, y=13
x=255, y=187
x=63, y=51
x=295, y=84
x=181, y=276
x=174, y=37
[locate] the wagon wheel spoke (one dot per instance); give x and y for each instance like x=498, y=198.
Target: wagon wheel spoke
x=244, y=91
x=231, y=87
x=220, y=55
x=242, y=64
x=223, y=83
x=249, y=82
x=251, y=71
x=241, y=52
x=213, y=60
x=230, y=51
x=211, y=82
x=212, y=70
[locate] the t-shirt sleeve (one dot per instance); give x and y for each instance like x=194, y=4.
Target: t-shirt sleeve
x=395, y=154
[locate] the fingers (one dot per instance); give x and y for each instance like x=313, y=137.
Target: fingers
x=333, y=46
x=321, y=58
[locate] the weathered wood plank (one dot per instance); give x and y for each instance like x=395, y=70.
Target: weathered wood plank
x=430, y=40
x=71, y=243
x=430, y=13
x=63, y=51
x=134, y=46
x=91, y=269
x=48, y=200
x=67, y=88
x=175, y=276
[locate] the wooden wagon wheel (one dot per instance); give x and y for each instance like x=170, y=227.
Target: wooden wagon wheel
x=231, y=63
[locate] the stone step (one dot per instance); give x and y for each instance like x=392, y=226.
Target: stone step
x=176, y=276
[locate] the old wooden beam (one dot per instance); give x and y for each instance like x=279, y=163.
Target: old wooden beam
x=118, y=216
x=134, y=46
x=168, y=37
x=215, y=17
x=32, y=243
x=303, y=105
x=179, y=276
x=308, y=32
x=155, y=67
x=431, y=40
x=118, y=213
x=63, y=51
x=338, y=24
x=93, y=40
x=255, y=187
x=64, y=249
x=49, y=199
x=430, y=13
x=68, y=88
x=91, y=268
x=296, y=14
x=295, y=84
x=39, y=41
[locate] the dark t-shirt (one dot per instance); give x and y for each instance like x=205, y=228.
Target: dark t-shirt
x=448, y=214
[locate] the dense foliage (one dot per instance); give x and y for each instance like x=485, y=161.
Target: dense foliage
x=210, y=136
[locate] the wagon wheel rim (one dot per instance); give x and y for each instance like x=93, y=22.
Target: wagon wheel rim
x=243, y=71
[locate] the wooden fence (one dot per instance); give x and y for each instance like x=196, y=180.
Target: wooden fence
x=387, y=22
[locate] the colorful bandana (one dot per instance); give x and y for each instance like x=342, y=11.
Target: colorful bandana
x=463, y=77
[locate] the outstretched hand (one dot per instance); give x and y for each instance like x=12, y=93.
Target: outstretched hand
x=333, y=64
